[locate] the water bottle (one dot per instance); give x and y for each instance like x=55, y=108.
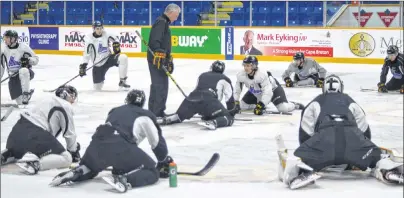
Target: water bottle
x=173, y=174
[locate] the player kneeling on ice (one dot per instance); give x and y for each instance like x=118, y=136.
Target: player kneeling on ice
x=334, y=131
x=18, y=58
x=394, y=62
x=263, y=89
x=97, y=48
x=206, y=100
x=33, y=139
x=307, y=72
x=115, y=144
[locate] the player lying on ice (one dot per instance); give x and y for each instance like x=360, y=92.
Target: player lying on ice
x=395, y=62
x=205, y=100
x=33, y=139
x=334, y=131
x=115, y=144
x=263, y=89
x=307, y=72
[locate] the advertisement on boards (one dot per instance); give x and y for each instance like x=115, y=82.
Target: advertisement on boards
x=283, y=42
x=23, y=33
x=72, y=38
x=191, y=40
x=44, y=38
x=229, y=43
x=128, y=38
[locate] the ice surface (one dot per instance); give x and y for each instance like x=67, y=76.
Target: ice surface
x=248, y=164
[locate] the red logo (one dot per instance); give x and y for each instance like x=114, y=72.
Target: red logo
x=387, y=17
x=365, y=16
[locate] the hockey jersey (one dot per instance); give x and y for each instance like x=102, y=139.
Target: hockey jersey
x=97, y=48
x=10, y=57
x=310, y=67
x=259, y=85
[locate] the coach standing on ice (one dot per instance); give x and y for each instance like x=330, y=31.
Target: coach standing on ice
x=160, y=44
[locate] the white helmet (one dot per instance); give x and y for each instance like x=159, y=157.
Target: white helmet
x=333, y=84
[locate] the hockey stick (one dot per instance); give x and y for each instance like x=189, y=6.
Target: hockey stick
x=9, y=111
x=164, y=68
x=77, y=75
x=269, y=112
x=238, y=119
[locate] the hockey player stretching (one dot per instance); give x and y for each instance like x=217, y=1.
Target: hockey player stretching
x=394, y=62
x=334, y=131
x=33, y=139
x=206, y=100
x=97, y=48
x=115, y=144
x=18, y=58
x=307, y=72
x=262, y=89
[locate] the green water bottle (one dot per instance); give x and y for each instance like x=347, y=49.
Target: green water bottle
x=172, y=168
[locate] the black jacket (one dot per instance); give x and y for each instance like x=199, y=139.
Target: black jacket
x=396, y=67
x=160, y=36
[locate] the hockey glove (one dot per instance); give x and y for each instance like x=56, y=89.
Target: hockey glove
x=381, y=87
x=320, y=83
x=402, y=89
x=76, y=154
x=259, y=109
x=289, y=82
x=116, y=47
x=24, y=62
x=170, y=64
x=159, y=58
x=82, y=70
x=163, y=167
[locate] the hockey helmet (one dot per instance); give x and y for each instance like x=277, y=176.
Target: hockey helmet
x=136, y=97
x=218, y=66
x=67, y=92
x=298, y=56
x=97, y=24
x=251, y=60
x=333, y=84
x=11, y=34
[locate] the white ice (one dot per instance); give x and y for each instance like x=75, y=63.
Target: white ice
x=248, y=164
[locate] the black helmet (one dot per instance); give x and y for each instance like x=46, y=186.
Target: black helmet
x=97, y=24
x=136, y=97
x=392, y=49
x=218, y=66
x=251, y=60
x=298, y=56
x=67, y=91
x=11, y=34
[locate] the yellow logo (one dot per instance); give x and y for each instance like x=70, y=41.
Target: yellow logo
x=362, y=44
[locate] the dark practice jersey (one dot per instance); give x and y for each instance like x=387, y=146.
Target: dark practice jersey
x=396, y=67
x=160, y=36
x=135, y=124
x=219, y=83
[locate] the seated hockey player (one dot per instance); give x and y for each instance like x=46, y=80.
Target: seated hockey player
x=33, y=139
x=334, y=131
x=115, y=144
x=206, y=100
x=307, y=72
x=263, y=88
x=18, y=58
x=97, y=48
x=395, y=62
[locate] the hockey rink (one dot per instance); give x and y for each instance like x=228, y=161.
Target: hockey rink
x=249, y=163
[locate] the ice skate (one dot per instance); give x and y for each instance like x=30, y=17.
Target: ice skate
x=122, y=84
x=6, y=157
x=298, y=106
x=29, y=164
x=67, y=176
x=304, y=179
x=26, y=97
x=208, y=124
x=119, y=182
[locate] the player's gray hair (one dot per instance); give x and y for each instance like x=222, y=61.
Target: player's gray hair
x=172, y=7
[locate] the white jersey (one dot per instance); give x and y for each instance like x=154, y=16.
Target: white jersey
x=54, y=115
x=100, y=50
x=14, y=55
x=259, y=86
x=310, y=67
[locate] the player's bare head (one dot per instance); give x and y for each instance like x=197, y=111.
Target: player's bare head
x=10, y=38
x=98, y=27
x=68, y=93
x=172, y=11
x=298, y=58
x=392, y=52
x=248, y=37
x=136, y=97
x=250, y=64
x=333, y=84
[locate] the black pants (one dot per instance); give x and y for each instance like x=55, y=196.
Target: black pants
x=109, y=149
x=27, y=137
x=14, y=85
x=158, y=90
x=336, y=144
x=207, y=105
x=395, y=84
x=278, y=97
x=99, y=72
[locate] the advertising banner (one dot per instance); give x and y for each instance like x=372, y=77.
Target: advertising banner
x=229, y=43
x=72, y=38
x=284, y=42
x=128, y=38
x=191, y=40
x=23, y=33
x=44, y=38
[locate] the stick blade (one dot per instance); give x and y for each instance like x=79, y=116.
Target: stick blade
x=212, y=162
